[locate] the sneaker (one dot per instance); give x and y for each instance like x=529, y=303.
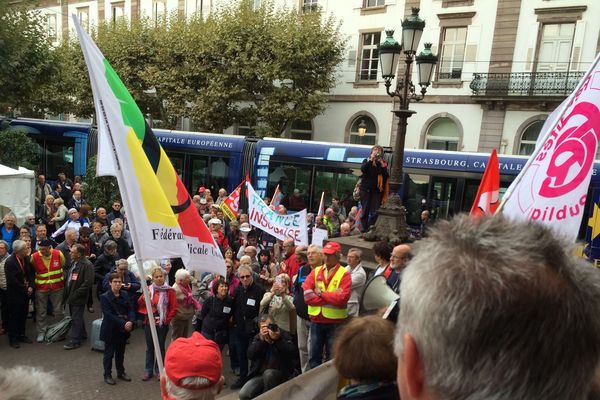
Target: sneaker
x=71, y=346
x=40, y=338
x=238, y=384
x=146, y=377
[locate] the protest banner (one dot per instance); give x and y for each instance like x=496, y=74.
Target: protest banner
x=290, y=226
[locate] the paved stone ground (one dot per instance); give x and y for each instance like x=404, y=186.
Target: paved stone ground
x=81, y=370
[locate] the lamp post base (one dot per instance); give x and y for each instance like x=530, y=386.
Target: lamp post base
x=391, y=223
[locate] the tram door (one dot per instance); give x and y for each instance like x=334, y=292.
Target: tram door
x=442, y=197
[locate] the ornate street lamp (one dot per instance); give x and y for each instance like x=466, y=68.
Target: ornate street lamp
x=362, y=128
x=391, y=217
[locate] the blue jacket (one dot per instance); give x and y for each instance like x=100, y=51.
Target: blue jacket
x=116, y=311
x=128, y=277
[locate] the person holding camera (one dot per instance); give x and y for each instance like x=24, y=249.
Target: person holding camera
x=278, y=302
x=272, y=354
x=372, y=185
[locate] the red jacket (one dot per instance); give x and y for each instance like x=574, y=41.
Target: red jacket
x=292, y=265
x=171, y=307
x=339, y=298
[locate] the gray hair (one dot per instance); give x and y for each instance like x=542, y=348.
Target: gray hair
x=5, y=244
x=245, y=267
x=181, y=393
x=356, y=251
x=122, y=261
x=18, y=245
x=24, y=382
x=182, y=274
x=500, y=310
x=10, y=215
x=110, y=245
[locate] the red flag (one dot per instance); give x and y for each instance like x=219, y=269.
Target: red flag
x=230, y=206
x=486, y=202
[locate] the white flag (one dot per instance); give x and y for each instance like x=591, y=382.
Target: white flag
x=552, y=188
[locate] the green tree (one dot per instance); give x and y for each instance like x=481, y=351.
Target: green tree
x=263, y=68
x=100, y=191
x=17, y=149
x=28, y=65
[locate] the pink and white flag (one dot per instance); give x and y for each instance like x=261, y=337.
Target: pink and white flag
x=552, y=188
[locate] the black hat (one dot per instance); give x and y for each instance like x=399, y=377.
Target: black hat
x=45, y=243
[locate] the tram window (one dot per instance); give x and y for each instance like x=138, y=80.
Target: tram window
x=471, y=187
x=199, y=169
x=59, y=158
x=177, y=161
x=443, y=197
x=290, y=177
x=219, y=173
x=334, y=182
x=415, y=192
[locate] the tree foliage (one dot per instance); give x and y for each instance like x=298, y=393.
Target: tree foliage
x=29, y=68
x=99, y=190
x=17, y=149
x=261, y=67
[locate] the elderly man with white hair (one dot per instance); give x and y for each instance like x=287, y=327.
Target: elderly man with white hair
x=187, y=305
x=497, y=309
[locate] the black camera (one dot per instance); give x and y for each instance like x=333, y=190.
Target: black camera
x=273, y=327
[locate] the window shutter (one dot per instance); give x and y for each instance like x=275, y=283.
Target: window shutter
x=577, y=46
x=532, y=38
x=470, y=61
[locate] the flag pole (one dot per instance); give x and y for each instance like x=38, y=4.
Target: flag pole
x=146, y=294
x=539, y=148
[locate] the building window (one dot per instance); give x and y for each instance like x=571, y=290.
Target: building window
x=370, y=56
x=310, y=6
x=443, y=134
x=83, y=16
x=373, y=3
x=117, y=10
x=529, y=138
x=453, y=52
x=555, y=47
x=159, y=10
x=51, y=27
x=370, y=136
x=301, y=130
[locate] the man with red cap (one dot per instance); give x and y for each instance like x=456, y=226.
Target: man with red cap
x=192, y=369
x=327, y=290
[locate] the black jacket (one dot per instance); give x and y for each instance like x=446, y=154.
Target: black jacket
x=103, y=265
x=370, y=172
x=246, y=305
x=78, y=281
x=17, y=281
x=215, y=314
x=283, y=351
x=116, y=311
x=301, y=306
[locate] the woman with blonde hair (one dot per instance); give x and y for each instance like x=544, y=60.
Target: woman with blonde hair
x=278, y=303
x=187, y=305
x=164, y=308
x=60, y=215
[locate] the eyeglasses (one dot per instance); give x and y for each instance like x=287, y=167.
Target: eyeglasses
x=245, y=276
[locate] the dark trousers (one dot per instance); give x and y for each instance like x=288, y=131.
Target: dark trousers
x=321, y=341
x=260, y=384
x=161, y=332
x=242, y=342
x=116, y=350
x=17, y=316
x=77, y=332
x=370, y=202
x=3, y=309
x=90, y=300
x=233, y=352
x=218, y=340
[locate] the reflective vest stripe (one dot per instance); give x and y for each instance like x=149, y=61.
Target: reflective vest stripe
x=329, y=311
x=47, y=281
x=47, y=274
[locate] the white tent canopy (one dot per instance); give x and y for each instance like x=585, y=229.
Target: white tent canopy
x=17, y=192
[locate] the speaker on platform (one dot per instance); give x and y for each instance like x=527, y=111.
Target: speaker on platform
x=377, y=295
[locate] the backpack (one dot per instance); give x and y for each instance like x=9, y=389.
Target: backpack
x=356, y=191
x=58, y=331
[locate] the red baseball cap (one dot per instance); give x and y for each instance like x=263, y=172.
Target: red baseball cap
x=201, y=189
x=332, y=248
x=193, y=357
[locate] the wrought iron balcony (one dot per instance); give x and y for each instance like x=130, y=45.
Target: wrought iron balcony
x=525, y=84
